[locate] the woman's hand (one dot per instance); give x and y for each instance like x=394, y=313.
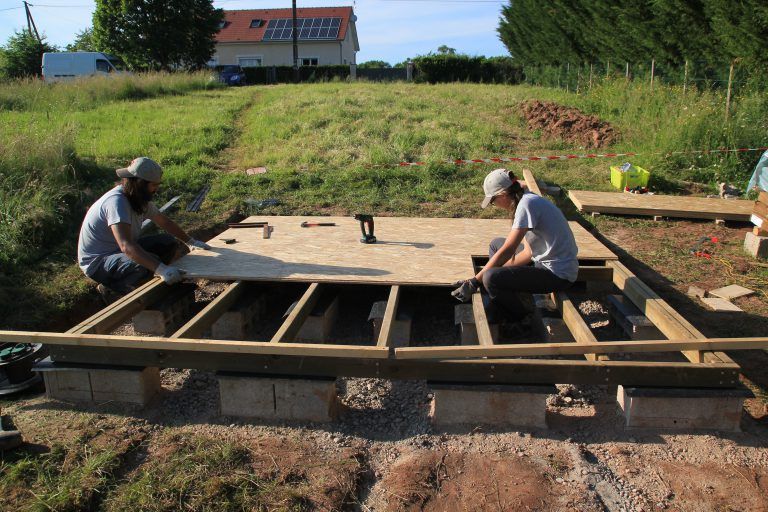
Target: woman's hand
x=465, y=289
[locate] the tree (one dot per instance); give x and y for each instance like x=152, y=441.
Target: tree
x=446, y=50
x=23, y=55
x=374, y=64
x=158, y=34
x=83, y=42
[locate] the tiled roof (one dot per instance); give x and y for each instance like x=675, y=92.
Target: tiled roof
x=237, y=28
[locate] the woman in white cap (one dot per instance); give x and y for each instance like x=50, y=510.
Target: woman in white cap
x=109, y=249
x=537, y=256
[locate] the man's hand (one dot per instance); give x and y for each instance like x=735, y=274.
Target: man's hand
x=465, y=289
x=193, y=244
x=169, y=274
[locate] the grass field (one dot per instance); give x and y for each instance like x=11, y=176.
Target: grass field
x=329, y=148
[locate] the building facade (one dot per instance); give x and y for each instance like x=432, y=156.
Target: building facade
x=264, y=37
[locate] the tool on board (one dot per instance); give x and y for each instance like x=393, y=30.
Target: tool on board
x=366, y=227
x=228, y=240
x=247, y=224
x=306, y=224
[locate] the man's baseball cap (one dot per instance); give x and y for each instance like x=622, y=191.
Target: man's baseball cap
x=144, y=168
x=495, y=183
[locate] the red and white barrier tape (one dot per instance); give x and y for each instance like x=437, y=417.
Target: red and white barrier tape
x=500, y=160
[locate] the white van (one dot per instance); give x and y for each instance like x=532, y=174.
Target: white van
x=67, y=65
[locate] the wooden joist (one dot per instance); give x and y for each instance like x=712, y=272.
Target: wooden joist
x=572, y=349
x=594, y=273
x=195, y=327
x=530, y=182
x=484, y=336
x=663, y=316
x=298, y=314
x=124, y=308
x=576, y=324
x=192, y=344
x=385, y=334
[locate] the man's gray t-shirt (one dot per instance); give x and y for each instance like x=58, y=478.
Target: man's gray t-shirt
x=96, y=239
x=550, y=237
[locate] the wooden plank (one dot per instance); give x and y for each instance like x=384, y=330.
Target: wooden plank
x=192, y=344
x=297, y=316
x=760, y=209
x=684, y=207
x=588, y=273
x=124, y=308
x=484, y=336
x=195, y=327
x=530, y=182
x=404, y=254
x=584, y=348
x=385, y=334
x=762, y=197
x=576, y=324
x=668, y=321
x=498, y=371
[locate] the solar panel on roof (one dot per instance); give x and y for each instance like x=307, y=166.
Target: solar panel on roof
x=281, y=29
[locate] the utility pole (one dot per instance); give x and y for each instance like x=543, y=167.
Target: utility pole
x=295, y=47
x=31, y=22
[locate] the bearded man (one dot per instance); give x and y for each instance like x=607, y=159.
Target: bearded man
x=109, y=249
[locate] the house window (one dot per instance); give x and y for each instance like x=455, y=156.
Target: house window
x=249, y=62
x=255, y=23
x=308, y=61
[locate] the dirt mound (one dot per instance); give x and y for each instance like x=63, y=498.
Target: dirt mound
x=568, y=124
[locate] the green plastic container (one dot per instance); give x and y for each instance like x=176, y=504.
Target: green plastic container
x=635, y=177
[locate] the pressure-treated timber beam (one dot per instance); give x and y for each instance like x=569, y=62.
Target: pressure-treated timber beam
x=572, y=349
x=530, y=182
x=385, y=334
x=596, y=273
x=124, y=308
x=666, y=319
x=484, y=336
x=195, y=327
x=192, y=344
x=298, y=314
x=492, y=371
x=576, y=324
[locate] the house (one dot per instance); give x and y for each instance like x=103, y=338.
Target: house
x=264, y=37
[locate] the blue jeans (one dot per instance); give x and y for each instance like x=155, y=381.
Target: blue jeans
x=503, y=283
x=120, y=273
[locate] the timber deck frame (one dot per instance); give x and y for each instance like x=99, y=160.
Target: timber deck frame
x=693, y=362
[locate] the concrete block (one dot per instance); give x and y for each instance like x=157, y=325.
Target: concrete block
x=497, y=405
x=239, y=322
x=718, y=304
x=695, y=291
x=135, y=386
x=277, y=398
x=319, y=323
x=730, y=292
x=464, y=317
x=670, y=408
x=401, y=326
x=163, y=318
x=631, y=320
x=756, y=246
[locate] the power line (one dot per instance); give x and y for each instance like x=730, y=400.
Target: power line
x=10, y=8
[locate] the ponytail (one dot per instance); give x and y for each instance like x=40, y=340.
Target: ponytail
x=514, y=192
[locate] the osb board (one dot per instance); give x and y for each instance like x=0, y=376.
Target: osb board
x=423, y=251
x=665, y=206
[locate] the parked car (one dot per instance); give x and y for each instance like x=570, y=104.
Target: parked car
x=59, y=66
x=231, y=75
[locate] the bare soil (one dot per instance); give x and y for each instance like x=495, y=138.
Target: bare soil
x=568, y=124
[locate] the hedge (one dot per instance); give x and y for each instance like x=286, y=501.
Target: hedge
x=465, y=68
x=284, y=74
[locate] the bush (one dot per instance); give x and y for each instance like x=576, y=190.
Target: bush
x=435, y=68
x=23, y=55
x=284, y=74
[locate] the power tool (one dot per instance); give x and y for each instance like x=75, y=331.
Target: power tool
x=366, y=227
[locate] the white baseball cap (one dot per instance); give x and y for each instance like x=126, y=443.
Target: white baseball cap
x=144, y=168
x=495, y=183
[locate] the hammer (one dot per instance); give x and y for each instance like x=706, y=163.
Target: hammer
x=9, y=439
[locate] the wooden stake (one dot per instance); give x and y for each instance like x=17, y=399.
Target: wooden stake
x=626, y=73
x=685, y=78
x=728, y=95
x=590, y=75
x=653, y=72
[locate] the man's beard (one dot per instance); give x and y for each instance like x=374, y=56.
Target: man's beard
x=147, y=196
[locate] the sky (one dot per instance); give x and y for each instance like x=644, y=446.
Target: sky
x=388, y=30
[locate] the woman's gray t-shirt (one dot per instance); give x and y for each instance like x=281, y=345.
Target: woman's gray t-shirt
x=550, y=237
x=96, y=238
